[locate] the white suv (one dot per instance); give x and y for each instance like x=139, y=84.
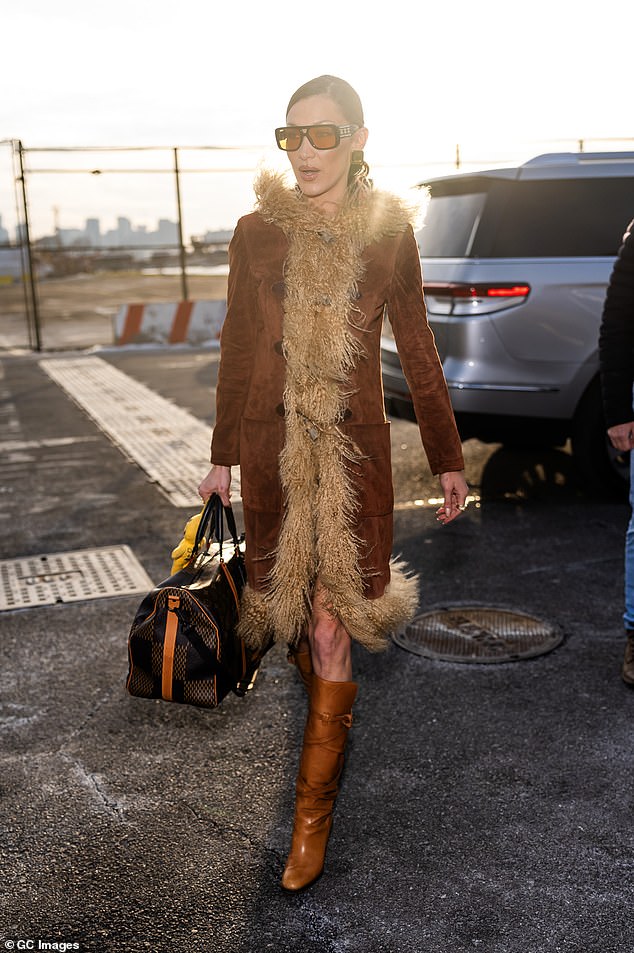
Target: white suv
x=515, y=265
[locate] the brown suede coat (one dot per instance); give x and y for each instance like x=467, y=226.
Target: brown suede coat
x=250, y=418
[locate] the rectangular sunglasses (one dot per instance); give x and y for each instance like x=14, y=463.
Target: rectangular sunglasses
x=326, y=135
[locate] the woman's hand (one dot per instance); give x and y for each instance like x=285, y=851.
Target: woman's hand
x=455, y=489
x=622, y=436
x=218, y=480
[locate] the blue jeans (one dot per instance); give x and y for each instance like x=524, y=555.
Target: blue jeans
x=628, y=615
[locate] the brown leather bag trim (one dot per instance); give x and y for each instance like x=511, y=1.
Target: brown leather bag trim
x=169, y=647
x=229, y=579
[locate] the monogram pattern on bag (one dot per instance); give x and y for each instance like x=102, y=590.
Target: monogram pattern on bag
x=187, y=637
x=204, y=626
x=157, y=658
x=201, y=693
x=180, y=662
x=141, y=684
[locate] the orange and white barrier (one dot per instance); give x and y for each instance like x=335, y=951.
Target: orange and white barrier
x=183, y=322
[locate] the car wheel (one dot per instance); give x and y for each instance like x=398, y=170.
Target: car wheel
x=603, y=470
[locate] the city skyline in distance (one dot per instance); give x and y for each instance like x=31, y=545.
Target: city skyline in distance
x=127, y=235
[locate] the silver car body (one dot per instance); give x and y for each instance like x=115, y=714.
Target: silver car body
x=533, y=363
x=531, y=354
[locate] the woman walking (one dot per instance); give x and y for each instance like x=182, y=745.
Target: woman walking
x=299, y=406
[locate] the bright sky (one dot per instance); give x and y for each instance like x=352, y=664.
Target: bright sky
x=505, y=80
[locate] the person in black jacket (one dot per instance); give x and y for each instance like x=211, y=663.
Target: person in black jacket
x=616, y=359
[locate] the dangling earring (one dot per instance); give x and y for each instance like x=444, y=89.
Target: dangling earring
x=358, y=174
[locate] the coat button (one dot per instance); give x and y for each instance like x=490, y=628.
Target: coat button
x=347, y=414
x=278, y=348
x=280, y=410
x=279, y=288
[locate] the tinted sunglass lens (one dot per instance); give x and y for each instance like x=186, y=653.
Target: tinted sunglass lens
x=289, y=139
x=323, y=137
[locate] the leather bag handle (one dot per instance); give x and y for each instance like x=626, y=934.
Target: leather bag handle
x=213, y=518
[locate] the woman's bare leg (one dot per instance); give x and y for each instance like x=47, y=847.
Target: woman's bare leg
x=330, y=644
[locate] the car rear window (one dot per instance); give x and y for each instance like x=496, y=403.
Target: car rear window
x=451, y=224
x=563, y=218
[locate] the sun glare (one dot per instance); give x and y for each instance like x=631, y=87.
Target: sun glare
x=444, y=85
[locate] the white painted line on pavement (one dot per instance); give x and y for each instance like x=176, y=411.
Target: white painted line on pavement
x=167, y=442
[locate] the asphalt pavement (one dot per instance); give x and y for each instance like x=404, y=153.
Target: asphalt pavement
x=484, y=806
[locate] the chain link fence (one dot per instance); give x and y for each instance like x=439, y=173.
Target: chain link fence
x=85, y=232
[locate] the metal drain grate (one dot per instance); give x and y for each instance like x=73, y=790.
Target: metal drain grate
x=71, y=577
x=478, y=634
x=167, y=442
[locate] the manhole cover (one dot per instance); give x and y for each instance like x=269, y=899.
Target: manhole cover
x=71, y=577
x=478, y=634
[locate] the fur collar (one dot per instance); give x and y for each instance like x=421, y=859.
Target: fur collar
x=366, y=217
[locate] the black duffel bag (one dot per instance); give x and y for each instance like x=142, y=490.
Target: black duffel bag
x=183, y=646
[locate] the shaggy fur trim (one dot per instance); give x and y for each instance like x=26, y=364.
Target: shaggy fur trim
x=254, y=627
x=322, y=271
x=369, y=621
x=369, y=216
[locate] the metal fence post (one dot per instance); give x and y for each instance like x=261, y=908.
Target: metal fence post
x=25, y=243
x=181, y=246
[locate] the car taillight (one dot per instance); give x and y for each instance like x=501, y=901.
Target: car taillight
x=462, y=299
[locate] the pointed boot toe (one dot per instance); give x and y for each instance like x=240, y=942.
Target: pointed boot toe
x=307, y=854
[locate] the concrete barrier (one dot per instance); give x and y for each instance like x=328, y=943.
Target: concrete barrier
x=182, y=322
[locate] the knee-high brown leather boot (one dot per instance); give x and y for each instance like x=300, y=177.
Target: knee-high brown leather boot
x=304, y=665
x=321, y=763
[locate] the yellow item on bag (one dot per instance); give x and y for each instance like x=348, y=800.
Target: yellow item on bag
x=183, y=552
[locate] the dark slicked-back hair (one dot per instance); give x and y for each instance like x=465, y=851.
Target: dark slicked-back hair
x=338, y=90
x=348, y=100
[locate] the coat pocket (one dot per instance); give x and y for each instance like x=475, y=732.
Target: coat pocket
x=371, y=474
x=261, y=442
